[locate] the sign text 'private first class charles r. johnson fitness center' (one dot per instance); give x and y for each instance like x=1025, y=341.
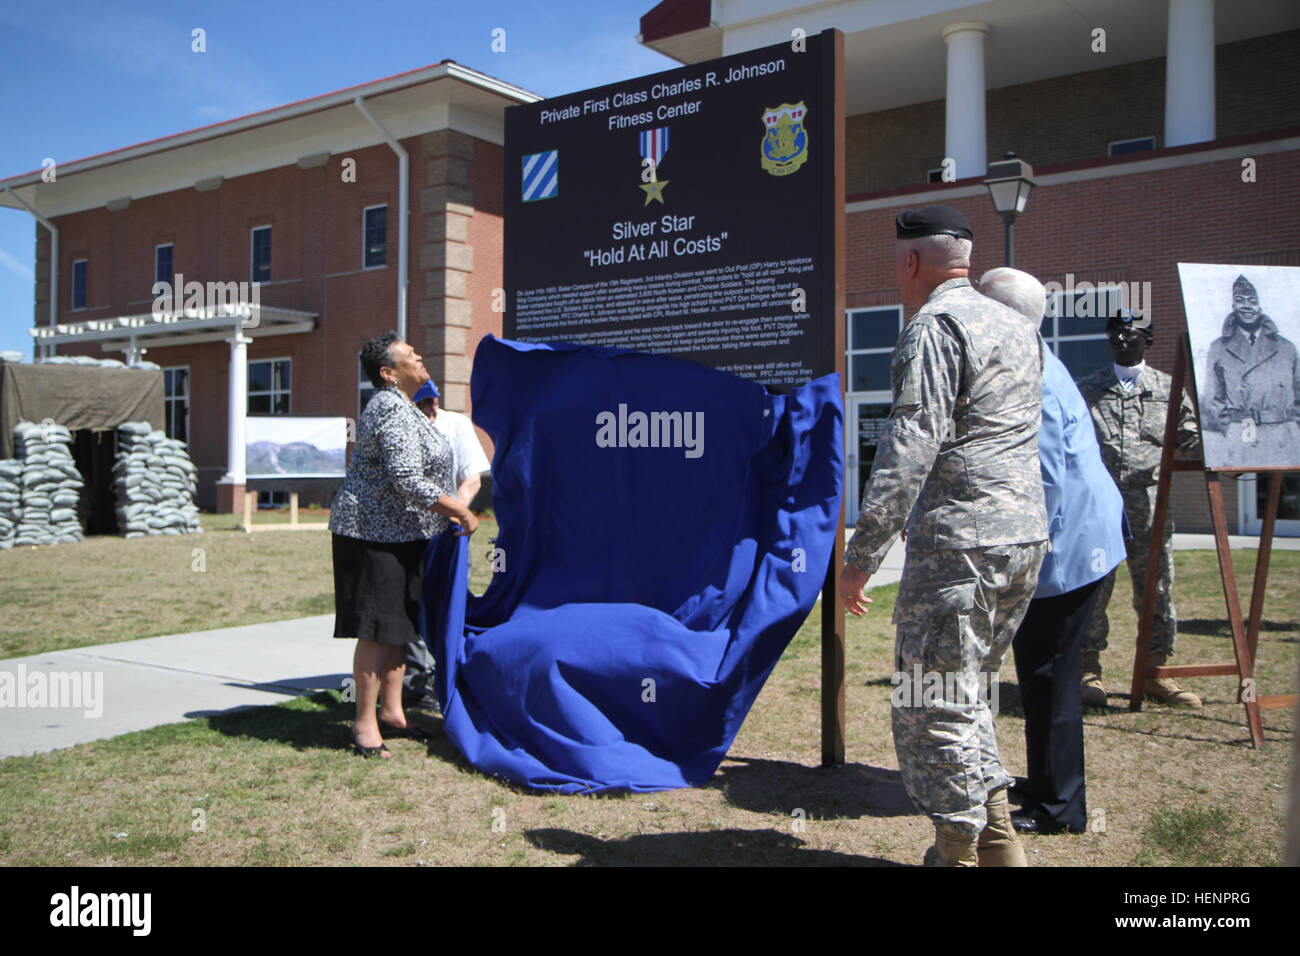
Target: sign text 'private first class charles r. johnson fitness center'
x=685, y=212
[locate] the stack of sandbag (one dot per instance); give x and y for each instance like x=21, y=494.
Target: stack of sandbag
x=11, y=473
x=85, y=360
x=50, y=485
x=154, y=483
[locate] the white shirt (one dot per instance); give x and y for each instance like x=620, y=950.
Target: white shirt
x=468, y=452
x=1127, y=374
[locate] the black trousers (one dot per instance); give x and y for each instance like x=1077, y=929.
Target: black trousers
x=1047, y=649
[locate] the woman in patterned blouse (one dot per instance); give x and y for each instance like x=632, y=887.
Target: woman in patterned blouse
x=399, y=493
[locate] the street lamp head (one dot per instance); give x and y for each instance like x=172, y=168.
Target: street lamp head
x=1009, y=182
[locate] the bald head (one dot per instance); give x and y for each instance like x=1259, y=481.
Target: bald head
x=1016, y=289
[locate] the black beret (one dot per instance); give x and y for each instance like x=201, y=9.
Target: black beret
x=1128, y=319
x=932, y=221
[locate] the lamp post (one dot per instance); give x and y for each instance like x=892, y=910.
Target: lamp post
x=1009, y=183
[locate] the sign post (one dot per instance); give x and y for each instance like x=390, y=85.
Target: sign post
x=697, y=212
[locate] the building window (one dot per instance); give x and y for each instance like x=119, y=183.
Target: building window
x=176, y=386
x=268, y=387
x=872, y=335
x=374, y=237
x=365, y=391
x=1075, y=325
x=272, y=499
x=162, y=264
x=79, y=284
x=261, y=255
x=1121, y=147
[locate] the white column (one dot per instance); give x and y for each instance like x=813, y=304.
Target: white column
x=134, y=354
x=1189, y=73
x=964, y=136
x=238, y=408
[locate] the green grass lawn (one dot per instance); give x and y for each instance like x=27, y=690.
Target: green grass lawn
x=276, y=785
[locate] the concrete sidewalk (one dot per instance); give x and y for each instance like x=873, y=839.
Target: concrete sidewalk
x=162, y=680
x=135, y=685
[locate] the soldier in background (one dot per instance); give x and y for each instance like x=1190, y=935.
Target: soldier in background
x=1129, y=403
x=958, y=465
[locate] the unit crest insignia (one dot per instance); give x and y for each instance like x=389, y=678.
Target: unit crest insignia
x=785, y=142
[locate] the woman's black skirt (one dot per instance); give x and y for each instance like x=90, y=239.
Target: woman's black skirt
x=377, y=589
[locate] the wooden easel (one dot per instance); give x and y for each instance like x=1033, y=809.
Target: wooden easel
x=250, y=509
x=1245, y=633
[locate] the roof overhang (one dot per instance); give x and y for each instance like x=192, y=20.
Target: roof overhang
x=895, y=54
x=682, y=29
x=156, y=330
x=443, y=96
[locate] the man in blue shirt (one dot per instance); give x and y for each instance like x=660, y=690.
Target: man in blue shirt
x=1085, y=523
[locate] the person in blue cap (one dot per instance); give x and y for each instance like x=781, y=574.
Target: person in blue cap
x=469, y=464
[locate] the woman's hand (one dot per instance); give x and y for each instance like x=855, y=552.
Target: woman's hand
x=467, y=524
x=456, y=513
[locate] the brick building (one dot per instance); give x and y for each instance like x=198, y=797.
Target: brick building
x=1136, y=135
x=306, y=201
x=1136, y=117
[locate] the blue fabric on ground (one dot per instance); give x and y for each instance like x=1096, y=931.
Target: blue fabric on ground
x=625, y=565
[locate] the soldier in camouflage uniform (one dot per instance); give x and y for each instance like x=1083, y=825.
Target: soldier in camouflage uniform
x=1129, y=404
x=958, y=465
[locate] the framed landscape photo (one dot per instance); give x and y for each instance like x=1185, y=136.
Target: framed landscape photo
x=1244, y=323
x=283, y=446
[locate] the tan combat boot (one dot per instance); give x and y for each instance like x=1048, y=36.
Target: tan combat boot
x=1165, y=690
x=998, y=844
x=1093, y=694
x=952, y=847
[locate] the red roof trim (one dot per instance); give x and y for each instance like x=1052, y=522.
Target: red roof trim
x=1073, y=165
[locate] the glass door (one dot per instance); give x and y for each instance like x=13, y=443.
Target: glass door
x=867, y=414
x=1252, y=499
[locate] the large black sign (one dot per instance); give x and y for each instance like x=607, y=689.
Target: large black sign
x=690, y=212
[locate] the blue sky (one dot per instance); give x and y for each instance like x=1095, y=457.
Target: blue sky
x=96, y=76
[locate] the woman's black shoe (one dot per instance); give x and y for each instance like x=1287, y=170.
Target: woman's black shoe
x=1035, y=821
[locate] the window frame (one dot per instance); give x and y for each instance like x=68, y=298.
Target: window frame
x=363, y=385
x=273, y=391
x=84, y=262
x=170, y=279
x=169, y=400
x=252, y=252
x=1052, y=312
x=364, y=245
x=1110, y=147
x=850, y=351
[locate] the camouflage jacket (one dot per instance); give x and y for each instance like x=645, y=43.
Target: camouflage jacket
x=1259, y=381
x=958, y=460
x=1130, y=424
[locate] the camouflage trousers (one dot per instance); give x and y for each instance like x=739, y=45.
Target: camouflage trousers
x=1164, y=625
x=956, y=614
